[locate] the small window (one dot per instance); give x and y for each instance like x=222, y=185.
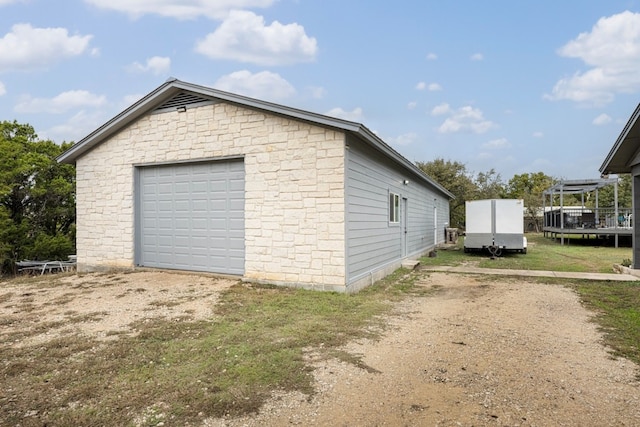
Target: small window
x=394, y=208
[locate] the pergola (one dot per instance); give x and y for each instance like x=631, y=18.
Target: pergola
x=581, y=186
x=566, y=220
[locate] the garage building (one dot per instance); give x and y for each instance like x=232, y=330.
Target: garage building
x=193, y=178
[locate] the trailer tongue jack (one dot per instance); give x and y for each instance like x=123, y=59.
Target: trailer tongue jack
x=495, y=251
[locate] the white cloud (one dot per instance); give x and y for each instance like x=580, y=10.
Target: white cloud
x=432, y=56
x=61, y=103
x=538, y=134
x=317, y=92
x=464, y=119
x=441, y=109
x=476, y=57
x=129, y=100
x=77, y=127
x=263, y=85
x=6, y=2
x=244, y=37
x=612, y=51
x=602, y=119
x=155, y=65
x=3, y=90
x=434, y=87
x=497, y=144
x=404, y=139
x=179, y=9
x=412, y=105
x=421, y=86
x=354, y=115
x=26, y=47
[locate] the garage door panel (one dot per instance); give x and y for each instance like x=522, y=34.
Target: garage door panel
x=218, y=186
x=164, y=206
x=237, y=206
x=199, y=225
x=165, y=188
x=235, y=223
x=235, y=246
x=236, y=185
x=192, y=217
x=199, y=206
x=218, y=223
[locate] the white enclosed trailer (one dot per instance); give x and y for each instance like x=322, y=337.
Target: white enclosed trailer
x=496, y=225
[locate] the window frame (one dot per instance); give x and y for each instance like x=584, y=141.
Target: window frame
x=393, y=212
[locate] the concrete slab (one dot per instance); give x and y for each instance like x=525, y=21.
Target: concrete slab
x=411, y=264
x=533, y=273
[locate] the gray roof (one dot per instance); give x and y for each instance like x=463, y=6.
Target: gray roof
x=173, y=87
x=624, y=150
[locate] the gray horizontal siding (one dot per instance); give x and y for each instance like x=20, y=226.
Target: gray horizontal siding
x=372, y=242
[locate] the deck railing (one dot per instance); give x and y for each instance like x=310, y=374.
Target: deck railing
x=589, y=218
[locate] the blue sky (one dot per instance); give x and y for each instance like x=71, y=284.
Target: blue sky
x=517, y=86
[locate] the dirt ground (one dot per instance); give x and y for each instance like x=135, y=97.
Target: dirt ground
x=479, y=351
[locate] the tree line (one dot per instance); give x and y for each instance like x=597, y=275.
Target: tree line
x=37, y=198
x=529, y=187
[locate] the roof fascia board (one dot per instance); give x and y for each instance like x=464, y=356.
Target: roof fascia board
x=173, y=86
x=604, y=168
x=269, y=106
x=139, y=108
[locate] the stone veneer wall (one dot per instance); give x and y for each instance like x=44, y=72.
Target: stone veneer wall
x=294, y=190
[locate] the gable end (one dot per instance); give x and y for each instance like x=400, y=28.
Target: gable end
x=184, y=100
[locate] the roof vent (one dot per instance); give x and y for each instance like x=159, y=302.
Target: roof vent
x=182, y=101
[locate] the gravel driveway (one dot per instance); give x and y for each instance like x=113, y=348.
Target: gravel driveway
x=481, y=351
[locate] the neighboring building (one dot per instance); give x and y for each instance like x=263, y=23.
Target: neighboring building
x=192, y=178
x=624, y=157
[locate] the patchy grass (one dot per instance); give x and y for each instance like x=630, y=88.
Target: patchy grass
x=617, y=311
x=617, y=305
x=453, y=255
x=581, y=255
x=177, y=372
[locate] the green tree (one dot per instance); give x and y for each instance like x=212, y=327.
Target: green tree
x=37, y=197
x=489, y=185
x=454, y=177
x=606, y=195
x=529, y=187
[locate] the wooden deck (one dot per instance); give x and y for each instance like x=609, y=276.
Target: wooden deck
x=600, y=232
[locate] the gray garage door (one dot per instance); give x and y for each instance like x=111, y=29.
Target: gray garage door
x=191, y=217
